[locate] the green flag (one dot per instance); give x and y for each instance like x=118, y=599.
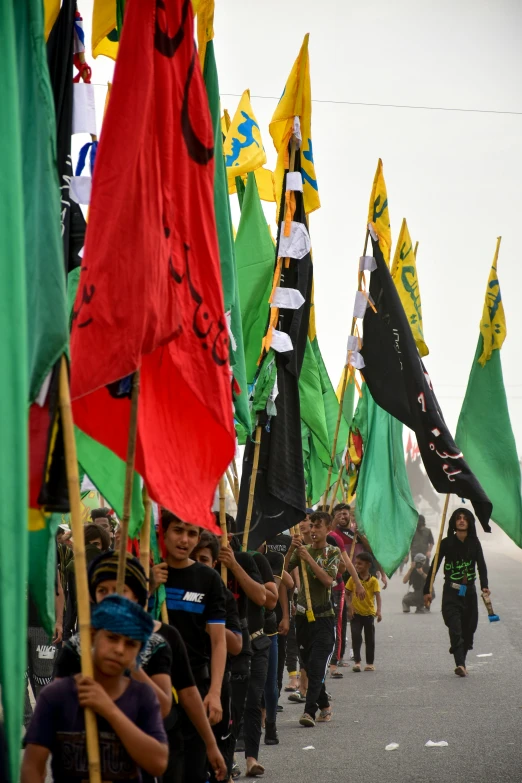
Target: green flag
x=229, y=275
x=385, y=510
x=484, y=432
x=255, y=254
x=32, y=314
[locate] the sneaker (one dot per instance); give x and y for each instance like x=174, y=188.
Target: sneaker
x=235, y=771
x=325, y=716
x=307, y=720
x=280, y=708
x=405, y=608
x=297, y=697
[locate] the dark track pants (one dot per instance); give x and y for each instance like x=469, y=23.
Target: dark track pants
x=316, y=644
x=41, y=656
x=292, y=656
x=344, y=629
x=338, y=604
x=460, y=614
x=359, y=623
x=256, y=686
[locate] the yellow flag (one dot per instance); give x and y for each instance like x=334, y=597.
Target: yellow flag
x=378, y=214
x=493, y=322
x=264, y=181
x=51, y=11
x=225, y=123
x=243, y=148
x=104, y=24
x=296, y=101
x=205, y=27
x=404, y=274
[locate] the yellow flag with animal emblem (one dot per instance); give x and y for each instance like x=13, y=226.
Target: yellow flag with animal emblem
x=378, y=214
x=404, y=274
x=493, y=321
x=296, y=101
x=243, y=148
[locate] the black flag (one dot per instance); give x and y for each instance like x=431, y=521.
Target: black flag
x=279, y=500
x=60, y=49
x=399, y=383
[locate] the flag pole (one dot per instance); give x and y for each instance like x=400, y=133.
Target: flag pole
x=415, y=251
x=441, y=533
x=145, y=533
x=223, y=523
x=252, y=489
x=80, y=570
x=343, y=390
x=129, y=478
x=306, y=584
x=232, y=484
x=236, y=480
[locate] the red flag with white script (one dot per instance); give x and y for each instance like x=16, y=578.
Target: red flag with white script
x=150, y=287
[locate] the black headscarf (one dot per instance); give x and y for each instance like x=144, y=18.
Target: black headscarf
x=452, y=525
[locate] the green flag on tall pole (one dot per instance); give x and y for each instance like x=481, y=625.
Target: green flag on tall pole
x=385, y=510
x=229, y=275
x=484, y=432
x=33, y=321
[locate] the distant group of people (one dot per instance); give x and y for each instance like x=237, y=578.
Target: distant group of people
x=182, y=700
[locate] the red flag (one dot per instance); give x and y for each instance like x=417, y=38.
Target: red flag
x=150, y=288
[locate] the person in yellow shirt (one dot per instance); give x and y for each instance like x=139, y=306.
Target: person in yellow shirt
x=362, y=612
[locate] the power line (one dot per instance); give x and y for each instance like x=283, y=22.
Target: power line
x=387, y=105
x=362, y=103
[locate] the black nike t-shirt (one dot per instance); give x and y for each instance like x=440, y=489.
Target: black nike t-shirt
x=257, y=614
x=195, y=598
x=276, y=562
x=280, y=543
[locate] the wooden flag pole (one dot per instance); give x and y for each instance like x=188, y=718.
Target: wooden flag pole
x=236, y=480
x=343, y=390
x=415, y=251
x=441, y=533
x=232, y=484
x=223, y=523
x=336, y=488
x=252, y=488
x=129, y=478
x=145, y=533
x=80, y=569
x=306, y=584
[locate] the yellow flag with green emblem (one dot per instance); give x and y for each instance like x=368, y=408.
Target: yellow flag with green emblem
x=404, y=274
x=296, y=101
x=243, y=148
x=378, y=214
x=493, y=321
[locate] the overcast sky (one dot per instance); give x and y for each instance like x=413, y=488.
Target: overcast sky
x=454, y=175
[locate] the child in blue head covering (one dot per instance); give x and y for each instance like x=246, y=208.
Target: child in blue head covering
x=130, y=728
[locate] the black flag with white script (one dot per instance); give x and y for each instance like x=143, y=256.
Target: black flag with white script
x=400, y=384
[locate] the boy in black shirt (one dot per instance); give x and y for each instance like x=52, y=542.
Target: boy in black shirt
x=196, y=607
x=461, y=552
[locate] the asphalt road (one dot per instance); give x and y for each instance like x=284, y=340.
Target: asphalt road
x=414, y=696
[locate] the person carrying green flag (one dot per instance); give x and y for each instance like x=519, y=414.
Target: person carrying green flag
x=484, y=432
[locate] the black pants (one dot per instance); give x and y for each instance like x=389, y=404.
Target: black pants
x=256, y=686
x=344, y=630
x=281, y=658
x=223, y=730
x=187, y=752
x=292, y=655
x=460, y=614
x=358, y=623
x=415, y=598
x=338, y=605
x=316, y=644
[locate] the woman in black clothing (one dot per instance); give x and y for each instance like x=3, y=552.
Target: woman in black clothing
x=462, y=554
